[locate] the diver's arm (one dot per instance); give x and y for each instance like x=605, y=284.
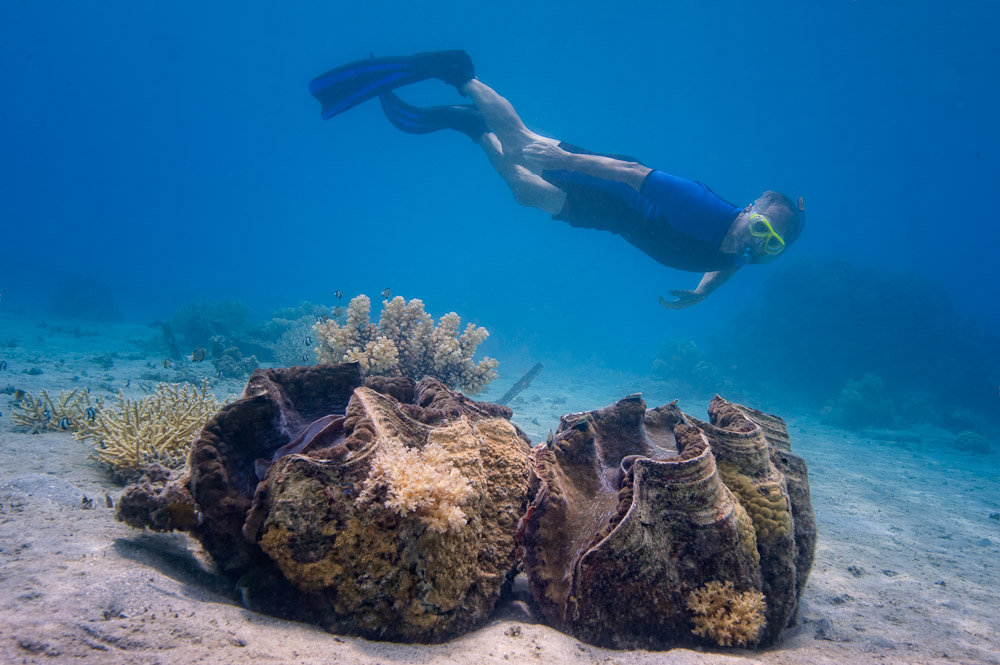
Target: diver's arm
x=550, y=156
x=710, y=281
x=631, y=173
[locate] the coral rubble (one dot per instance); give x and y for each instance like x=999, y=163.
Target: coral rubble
x=406, y=342
x=400, y=510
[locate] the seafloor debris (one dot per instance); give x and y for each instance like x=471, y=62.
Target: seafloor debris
x=521, y=384
x=406, y=342
x=132, y=434
x=70, y=412
x=400, y=510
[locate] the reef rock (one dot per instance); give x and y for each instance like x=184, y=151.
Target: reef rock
x=379, y=507
x=653, y=529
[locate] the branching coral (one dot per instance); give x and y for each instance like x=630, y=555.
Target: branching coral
x=133, y=434
x=406, y=343
x=726, y=616
x=421, y=482
x=294, y=346
x=70, y=412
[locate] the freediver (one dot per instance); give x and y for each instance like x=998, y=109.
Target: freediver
x=679, y=223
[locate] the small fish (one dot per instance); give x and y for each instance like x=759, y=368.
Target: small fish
x=167, y=363
x=64, y=423
x=46, y=415
x=183, y=516
x=337, y=311
x=198, y=355
x=18, y=394
x=305, y=357
x=108, y=501
x=219, y=374
x=386, y=293
x=309, y=340
x=128, y=382
x=549, y=439
x=338, y=294
x=3, y=365
x=91, y=414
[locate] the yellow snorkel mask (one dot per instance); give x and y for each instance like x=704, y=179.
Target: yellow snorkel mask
x=760, y=227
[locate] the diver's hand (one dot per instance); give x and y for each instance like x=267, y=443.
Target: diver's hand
x=684, y=299
x=543, y=155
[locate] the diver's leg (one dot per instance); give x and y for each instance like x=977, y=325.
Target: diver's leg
x=528, y=188
x=502, y=119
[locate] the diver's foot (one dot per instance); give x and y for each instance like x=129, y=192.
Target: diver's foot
x=453, y=67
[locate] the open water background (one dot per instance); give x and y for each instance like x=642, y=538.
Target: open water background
x=155, y=154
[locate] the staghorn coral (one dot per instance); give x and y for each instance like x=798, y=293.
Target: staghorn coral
x=134, y=434
x=407, y=343
x=421, y=482
x=68, y=413
x=726, y=616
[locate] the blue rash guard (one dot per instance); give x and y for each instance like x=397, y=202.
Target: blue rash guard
x=679, y=223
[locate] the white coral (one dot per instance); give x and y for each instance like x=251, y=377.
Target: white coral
x=423, y=483
x=333, y=341
x=407, y=343
x=378, y=357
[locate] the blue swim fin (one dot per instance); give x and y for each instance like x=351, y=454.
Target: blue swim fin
x=463, y=118
x=347, y=86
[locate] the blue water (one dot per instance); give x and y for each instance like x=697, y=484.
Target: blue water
x=172, y=152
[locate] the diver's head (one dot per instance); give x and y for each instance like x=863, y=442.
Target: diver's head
x=773, y=223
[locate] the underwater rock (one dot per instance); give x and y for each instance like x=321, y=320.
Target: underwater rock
x=231, y=364
x=643, y=517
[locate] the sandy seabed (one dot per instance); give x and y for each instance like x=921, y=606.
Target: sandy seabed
x=907, y=564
